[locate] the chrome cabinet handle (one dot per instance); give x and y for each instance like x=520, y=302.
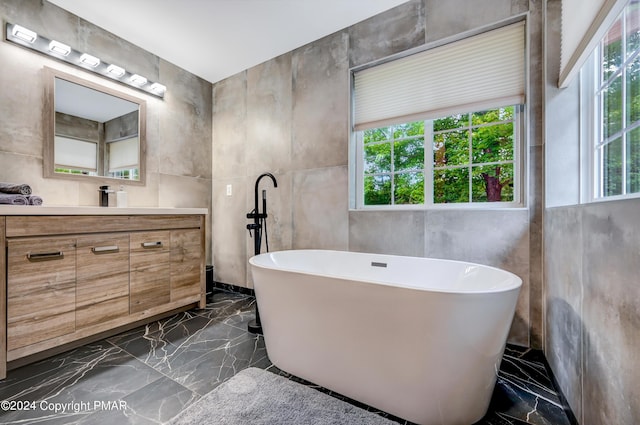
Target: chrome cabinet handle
x=44, y=256
x=105, y=249
x=157, y=244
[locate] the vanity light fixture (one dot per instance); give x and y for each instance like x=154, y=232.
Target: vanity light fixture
x=138, y=80
x=158, y=88
x=59, y=48
x=24, y=34
x=54, y=49
x=89, y=60
x=116, y=71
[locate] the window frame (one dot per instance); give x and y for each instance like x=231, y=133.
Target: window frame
x=519, y=162
x=591, y=117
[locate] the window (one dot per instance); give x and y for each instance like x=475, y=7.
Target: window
x=75, y=156
x=122, y=158
x=443, y=126
x=460, y=158
x=393, y=164
x=615, y=152
x=128, y=174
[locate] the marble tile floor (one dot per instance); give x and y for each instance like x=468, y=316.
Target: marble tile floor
x=149, y=374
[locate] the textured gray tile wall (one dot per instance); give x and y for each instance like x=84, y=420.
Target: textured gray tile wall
x=593, y=308
x=290, y=115
x=563, y=303
x=395, y=31
x=611, y=313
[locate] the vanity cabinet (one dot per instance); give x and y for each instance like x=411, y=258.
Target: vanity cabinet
x=66, y=279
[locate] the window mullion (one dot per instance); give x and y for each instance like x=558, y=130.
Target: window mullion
x=360, y=174
x=520, y=154
x=393, y=167
x=428, y=162
x=470, y=168
x=623, y=118
x=623, y=137
x=598, y=160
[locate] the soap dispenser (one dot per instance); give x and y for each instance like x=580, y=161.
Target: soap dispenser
x=121, y=198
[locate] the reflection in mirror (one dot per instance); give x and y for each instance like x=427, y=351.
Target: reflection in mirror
x=96, y=131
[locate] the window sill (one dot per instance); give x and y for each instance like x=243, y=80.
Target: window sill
x=447, y=207
x=612, y=198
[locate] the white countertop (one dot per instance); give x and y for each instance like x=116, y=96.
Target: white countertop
x=63, y=210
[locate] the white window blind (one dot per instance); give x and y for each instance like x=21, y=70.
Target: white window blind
x=75, y=154
x=123, y=154
x=478, y=72
x=584, y=24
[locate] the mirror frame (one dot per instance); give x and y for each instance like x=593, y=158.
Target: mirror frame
x=49, y=120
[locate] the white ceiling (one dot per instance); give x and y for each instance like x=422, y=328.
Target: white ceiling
x=215, y=39
x=83, y=102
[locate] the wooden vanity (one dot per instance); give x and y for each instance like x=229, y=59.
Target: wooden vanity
x=69, y=274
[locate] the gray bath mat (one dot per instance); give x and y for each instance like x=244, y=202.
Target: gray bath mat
x=255, y=396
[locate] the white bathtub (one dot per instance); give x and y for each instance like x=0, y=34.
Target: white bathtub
x=419, y=338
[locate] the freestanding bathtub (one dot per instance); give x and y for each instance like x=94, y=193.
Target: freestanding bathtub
x=419, y=338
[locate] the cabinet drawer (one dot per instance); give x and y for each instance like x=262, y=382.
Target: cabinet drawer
x=41, y=290
x=21, y=226
x=150, y=284
x=102, y=292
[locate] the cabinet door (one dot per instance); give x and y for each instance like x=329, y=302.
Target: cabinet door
x=150, y=284
x=41, y=290
x=102, y=292
x=186, y=264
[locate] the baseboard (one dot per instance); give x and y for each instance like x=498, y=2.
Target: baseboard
x=212, y=284
x=233, y=288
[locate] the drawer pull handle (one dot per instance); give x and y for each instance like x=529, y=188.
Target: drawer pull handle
x=44, y=256
x=157, y=244
x=105, y=249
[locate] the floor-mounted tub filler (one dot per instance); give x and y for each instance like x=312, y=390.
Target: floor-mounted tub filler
x=419, y=338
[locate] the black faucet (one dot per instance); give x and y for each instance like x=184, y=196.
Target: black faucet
x=257, y=217
x=104, y=195
x=255, y=326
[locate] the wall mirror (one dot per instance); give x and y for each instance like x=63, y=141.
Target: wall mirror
x=92, y=131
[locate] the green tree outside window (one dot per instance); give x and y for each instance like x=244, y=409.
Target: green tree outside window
x=473, y=160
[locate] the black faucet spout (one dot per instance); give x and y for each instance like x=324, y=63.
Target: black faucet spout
x=256, y=211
